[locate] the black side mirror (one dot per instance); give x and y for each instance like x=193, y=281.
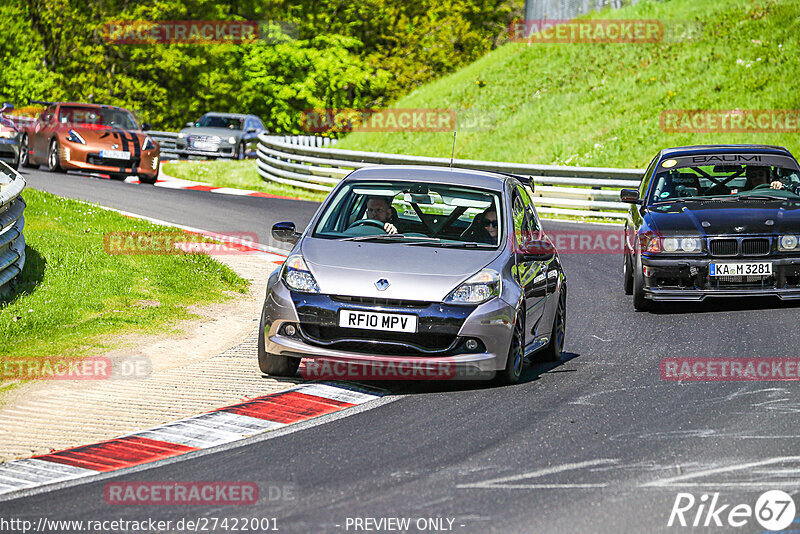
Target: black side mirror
x=146, y=126
x=630, y=196
x=537, y=250
x=189, y=124
x=285, y=232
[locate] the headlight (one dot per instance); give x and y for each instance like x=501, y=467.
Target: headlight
x=75, y=137
x=232, y=140
x=689, y=245
x=297, y=276
x=148, y=144
x=788, y=242
x=181, y=135
x=477, y=289
x=8, y=134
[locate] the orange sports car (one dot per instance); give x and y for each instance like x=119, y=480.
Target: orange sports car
x=91, y=138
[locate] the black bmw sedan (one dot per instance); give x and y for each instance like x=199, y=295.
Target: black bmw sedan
x=714, y=221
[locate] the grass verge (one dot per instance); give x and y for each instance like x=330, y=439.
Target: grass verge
x=236, y=174
x=600, y=104
x=73, y=299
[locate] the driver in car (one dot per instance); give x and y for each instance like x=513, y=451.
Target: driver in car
x=380, y=209
x=760, y=176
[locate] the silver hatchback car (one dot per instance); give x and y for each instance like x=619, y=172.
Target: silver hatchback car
x=429, y=272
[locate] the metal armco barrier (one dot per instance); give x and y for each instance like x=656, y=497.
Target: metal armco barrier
x=166, y=143
x=12, y=242
x=560, y=190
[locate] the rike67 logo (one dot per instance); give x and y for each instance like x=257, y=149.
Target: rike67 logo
x=774, y=510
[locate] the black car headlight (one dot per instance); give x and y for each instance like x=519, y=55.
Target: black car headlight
x=477, y=289
x=75, y=137
x=297, y=276
x=789, y=243
x=688, y=245
x=148, y=144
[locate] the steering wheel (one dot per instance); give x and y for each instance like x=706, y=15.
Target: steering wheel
x=367, y=222
x=762, y=186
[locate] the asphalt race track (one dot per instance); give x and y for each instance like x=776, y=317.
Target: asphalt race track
x=599, y=443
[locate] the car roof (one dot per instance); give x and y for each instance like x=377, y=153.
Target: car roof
x=724, y=149
x=87, y=105
x=439, y=175
x=230, y=115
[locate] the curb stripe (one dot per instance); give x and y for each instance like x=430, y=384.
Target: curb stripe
x=225, y=425
x=115, y=454
x=290, y=407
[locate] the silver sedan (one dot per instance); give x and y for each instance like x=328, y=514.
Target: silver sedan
x=416, y=273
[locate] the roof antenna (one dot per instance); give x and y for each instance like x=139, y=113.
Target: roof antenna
x=453, y=153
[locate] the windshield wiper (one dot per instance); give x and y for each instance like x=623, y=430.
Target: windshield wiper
x=390, y=237
x=458, y=244
x=761, y=196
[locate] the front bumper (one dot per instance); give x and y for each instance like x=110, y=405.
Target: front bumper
x=9, y=149
x=440, y=341
x=687, y=279
x=85, y=158
x=223, y=151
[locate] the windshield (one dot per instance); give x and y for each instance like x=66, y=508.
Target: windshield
x=687, y=179
x=413, y=213
x=97, y=117
x=214, y=121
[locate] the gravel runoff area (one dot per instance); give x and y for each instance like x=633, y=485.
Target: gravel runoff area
x=212, y=363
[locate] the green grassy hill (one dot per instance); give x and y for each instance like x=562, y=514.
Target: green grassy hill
x=599, y=104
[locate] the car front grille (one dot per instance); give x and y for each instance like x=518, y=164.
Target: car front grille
x=723, y=247
x=755, y=247
x=378, y=342
x=95, y=159
x=205, y=141
x=382, y=302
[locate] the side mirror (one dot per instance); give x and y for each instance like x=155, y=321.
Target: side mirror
x=285, y=232
x=6, y=107
x=189, y=124
x=146, y=126
x=537, y=250
x=630, y=196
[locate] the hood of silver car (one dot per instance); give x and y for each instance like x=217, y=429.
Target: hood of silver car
x=412, y=272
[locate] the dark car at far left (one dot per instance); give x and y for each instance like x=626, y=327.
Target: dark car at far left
x=10, y=137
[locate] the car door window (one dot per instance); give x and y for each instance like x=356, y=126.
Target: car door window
x=525, y=222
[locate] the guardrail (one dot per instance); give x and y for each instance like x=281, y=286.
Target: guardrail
x=166, y=142
x=560, y=190
x=12, y=221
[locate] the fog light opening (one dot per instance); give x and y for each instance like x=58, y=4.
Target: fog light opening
x=289, y=330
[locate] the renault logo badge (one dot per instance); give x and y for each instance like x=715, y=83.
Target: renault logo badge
x=382, y=284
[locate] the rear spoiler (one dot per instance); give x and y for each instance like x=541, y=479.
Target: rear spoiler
x=41, y=102
x=526, y=180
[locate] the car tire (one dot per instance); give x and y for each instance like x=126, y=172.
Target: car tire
x=274, y=364
x=24, y=153
x=149, y=180
x=53, y=158
x=555, y=349
x=627, y=273
x=640, y=303
x=516, y=353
